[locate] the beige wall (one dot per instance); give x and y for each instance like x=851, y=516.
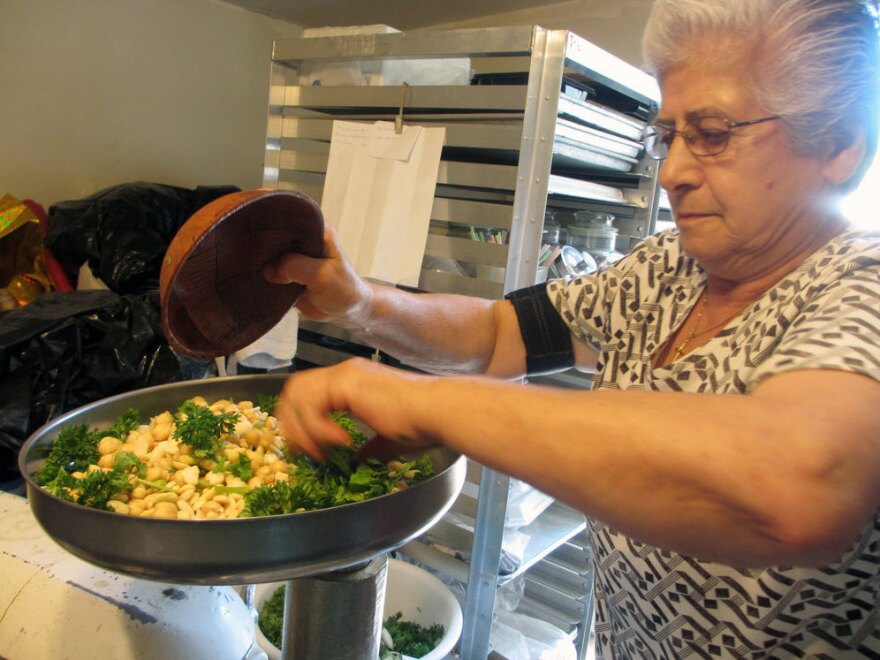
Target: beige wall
x=613, y=25
x=101, y=92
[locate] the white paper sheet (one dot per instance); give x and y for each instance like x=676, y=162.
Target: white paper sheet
x=378, y=195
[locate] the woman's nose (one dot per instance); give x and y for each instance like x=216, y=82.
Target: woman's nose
x=680, y=167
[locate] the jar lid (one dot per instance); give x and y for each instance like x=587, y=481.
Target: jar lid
x=214, y=298
x=593, y=218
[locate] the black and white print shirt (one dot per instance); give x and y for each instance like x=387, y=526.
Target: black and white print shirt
x=652, y=603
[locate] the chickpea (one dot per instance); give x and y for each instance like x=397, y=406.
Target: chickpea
x=163, y=418
x=108, y=444
x=209, y=507
x=106, y=461
x=136, y=507
x=199, y=401
x=253, y=436
x=190, y=475
x=215, y=478
x=118, y=507
x=254, y=482
x=165, y=510
x=161, y=432
x=264, y=471
x=242, y=426
x=155, y=473
x=234, y=482
x=171, y=447
x=140, y=446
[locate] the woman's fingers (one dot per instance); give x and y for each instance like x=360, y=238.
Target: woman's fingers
x=306, y=423
x=378, y=395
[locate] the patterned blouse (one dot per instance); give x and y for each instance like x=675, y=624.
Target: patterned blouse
x=653, y=603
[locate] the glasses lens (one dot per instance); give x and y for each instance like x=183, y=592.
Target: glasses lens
x=657, y=141
x=709, y=135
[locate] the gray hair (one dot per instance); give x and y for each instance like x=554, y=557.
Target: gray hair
x=817, y=61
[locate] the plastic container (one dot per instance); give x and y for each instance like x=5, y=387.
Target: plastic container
x=414, y=592
x=593, y=232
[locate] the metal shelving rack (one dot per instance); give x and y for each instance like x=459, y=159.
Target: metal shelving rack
x=518, y=145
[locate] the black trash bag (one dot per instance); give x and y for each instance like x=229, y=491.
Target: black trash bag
x=124, y=231
x=65, y=350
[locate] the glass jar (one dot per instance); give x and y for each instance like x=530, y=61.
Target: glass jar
x=593, y=232
x=553, y=234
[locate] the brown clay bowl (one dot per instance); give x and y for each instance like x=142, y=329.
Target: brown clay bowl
x=214, y=298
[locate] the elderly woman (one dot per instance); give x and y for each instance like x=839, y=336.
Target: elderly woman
x=728, y=457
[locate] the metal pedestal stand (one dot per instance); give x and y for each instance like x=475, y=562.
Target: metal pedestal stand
x=336, y=615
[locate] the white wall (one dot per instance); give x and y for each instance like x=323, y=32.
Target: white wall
x=101, y=92
x=614, y=25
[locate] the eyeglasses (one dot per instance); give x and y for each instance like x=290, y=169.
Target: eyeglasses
x=704, y=135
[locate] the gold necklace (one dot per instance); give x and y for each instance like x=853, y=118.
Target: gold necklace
x=679, y=351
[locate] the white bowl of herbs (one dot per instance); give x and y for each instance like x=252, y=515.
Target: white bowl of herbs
x=422, y=617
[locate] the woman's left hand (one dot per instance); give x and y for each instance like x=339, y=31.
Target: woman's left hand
x=387, y=400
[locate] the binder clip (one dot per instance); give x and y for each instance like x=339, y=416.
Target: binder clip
x=398, y=120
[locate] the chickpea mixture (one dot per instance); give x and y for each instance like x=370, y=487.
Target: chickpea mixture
x=192, y=490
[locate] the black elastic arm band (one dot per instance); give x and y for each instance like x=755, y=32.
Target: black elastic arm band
x=547, y=338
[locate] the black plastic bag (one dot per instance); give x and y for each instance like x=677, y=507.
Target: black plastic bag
x=124, y=231
x=65, y=350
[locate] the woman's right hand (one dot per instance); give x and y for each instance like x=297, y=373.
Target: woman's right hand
x=333, y=289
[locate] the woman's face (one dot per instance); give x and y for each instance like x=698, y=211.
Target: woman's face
x=755, y=206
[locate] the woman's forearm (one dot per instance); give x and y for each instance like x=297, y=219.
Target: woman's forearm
x=439, y=333
x=720, y=477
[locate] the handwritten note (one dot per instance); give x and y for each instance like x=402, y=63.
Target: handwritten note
x=378, y=195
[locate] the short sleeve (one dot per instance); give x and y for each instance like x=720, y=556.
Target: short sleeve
x=592, y=305
x=837, y=328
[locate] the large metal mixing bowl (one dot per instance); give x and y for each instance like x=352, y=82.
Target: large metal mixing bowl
x=238, y=551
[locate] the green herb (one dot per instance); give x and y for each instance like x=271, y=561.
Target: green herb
x=94, y=490
x=76, y=446
x=321, y=484
x=74, y=450
x=127, y=422
x=201, y=428
x=243, y=469
x=272, y=617
x=130, y=463
x=267, y=403
x=159, y=484
x=411, y=638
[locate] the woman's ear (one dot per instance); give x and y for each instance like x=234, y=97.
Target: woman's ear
x=846, y=158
